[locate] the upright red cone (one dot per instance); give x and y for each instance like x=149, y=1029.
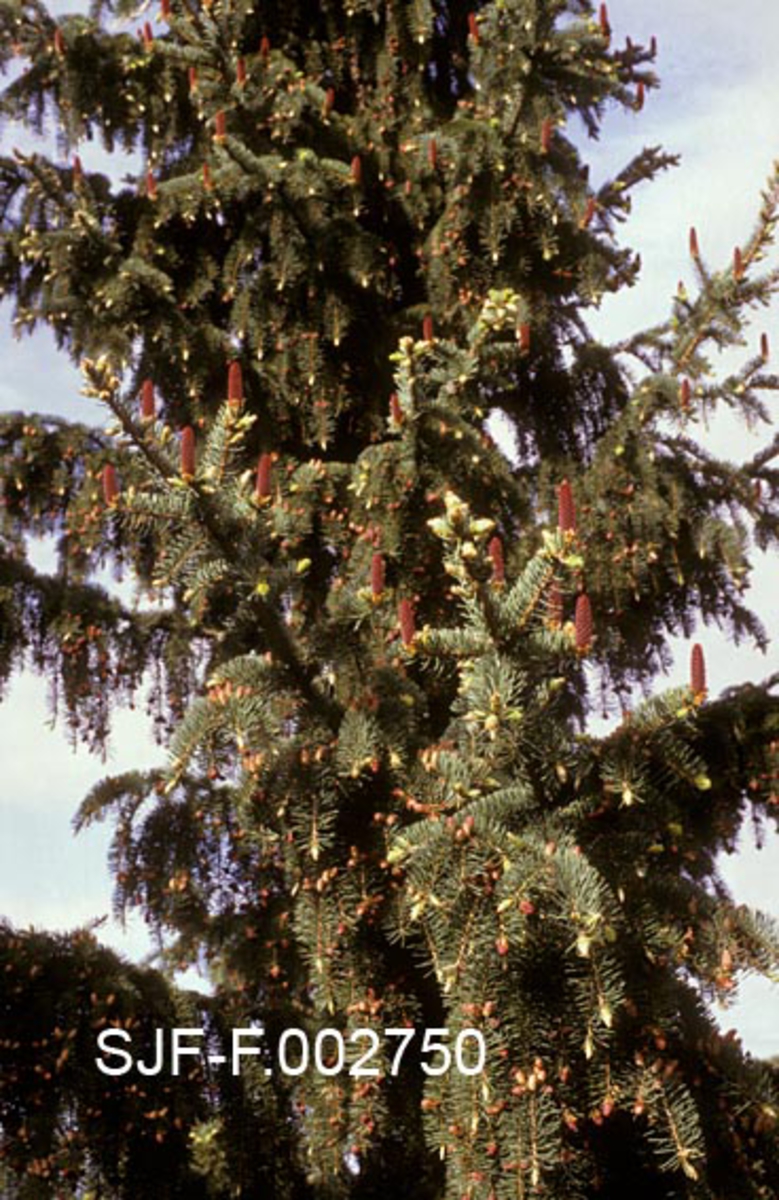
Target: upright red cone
x=427, y=328
x=148, y=36
x=77, y=170
x=192, y=76
x=566, y=509
x=583, y=622
x=697, y=670
x=377, y=575
x=523, y=334
x=151, y=185
x=495, y=551
x=188, y=452
x=264, y=46
x=589, y=213
x=220, y=125
x=356, y=169
x=603, y=19
x=240, y=72
x=694, y=247
x=640, y=95
x=262, y=487
x=432, y=153
x=396, y=412
x=685, y=391
x=165, y=9
x=235, y=385
x=546, y=134
x=59, y=43
x=327, y=107
x=147, y=400
x=473, y=28
x=406, y=621
x=110, y=486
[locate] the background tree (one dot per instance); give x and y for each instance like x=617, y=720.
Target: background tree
x=358, y=233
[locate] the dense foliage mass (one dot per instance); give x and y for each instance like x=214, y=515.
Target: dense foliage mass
x=371, y=638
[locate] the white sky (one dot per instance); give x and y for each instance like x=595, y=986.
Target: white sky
x=717, y=107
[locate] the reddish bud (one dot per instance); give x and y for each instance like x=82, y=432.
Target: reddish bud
x=697, y=670
x=165, y=9
x=235, y=385
x=527, y=907
x=738, y=264
x=589, y=212
x=764, y=348
x=356, y=170
x=524, y=337
x=653, y=47
x=151, y=185
x=377, y=575
x=192, y=75
x=264, y=46
x=59, y=43
x=640, y=95
x=220, y=124
x=495, y=550
x=77, y=169
x=327, y=107
x=110, y=486
x=406, y=621
x=473, y=28
x=262, y=487
x=502, y=945
x=427, y=328
x=188, y=452
x=583, y=622
x=240, y=72
x=603, y=20
x=546, y=134
x=147, y=400
x=685, y=392
x=148, y=36
x=207, y=182
x=566, y=509
x=432, y=153
x=396, y=412
x=694, y=247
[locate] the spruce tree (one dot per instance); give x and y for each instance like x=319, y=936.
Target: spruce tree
x=372, y=638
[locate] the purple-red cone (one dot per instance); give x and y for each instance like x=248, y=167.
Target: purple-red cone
x=406, y=621
x=356, y=170
x=566, y=510
x=220, y=125
x=546, y=134
x=188, y=452
x=697, y=670
x=235, y=385
x=377, y=574
x=685, y=391
x=262, y=487
x=495, y=551
x=427, y=328
x=147, y=400
x=583, y=622
x=694, y=247
x=110, y=486
x=764, y=347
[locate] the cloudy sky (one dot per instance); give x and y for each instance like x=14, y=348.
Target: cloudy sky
x=717, y=108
